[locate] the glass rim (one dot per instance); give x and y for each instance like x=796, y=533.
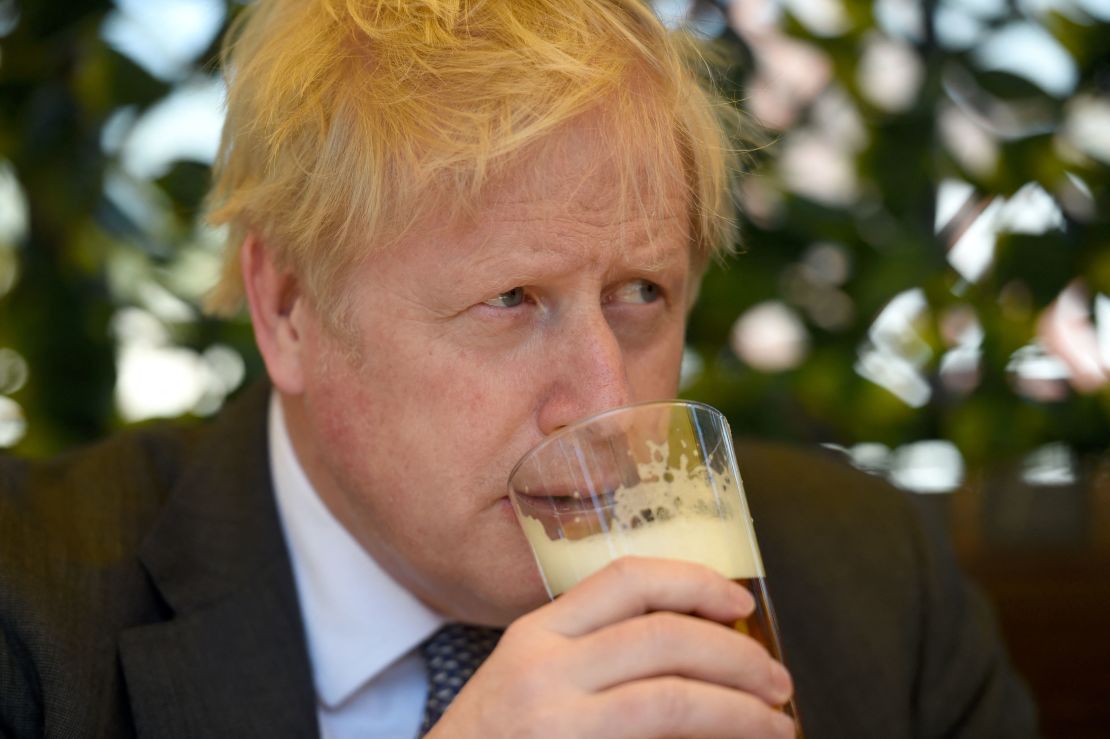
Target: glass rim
x=576, y=425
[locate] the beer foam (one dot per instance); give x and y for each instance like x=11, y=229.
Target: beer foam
x=688, y=514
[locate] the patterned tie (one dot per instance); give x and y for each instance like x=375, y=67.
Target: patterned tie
x=452, y=655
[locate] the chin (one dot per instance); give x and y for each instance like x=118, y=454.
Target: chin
x=516, y=595
x=503, y=616
x=502, y=583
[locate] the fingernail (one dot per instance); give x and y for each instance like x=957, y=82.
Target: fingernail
x=783, y=725
x=780, y=678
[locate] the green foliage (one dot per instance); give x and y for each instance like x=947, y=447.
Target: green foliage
x=888, y=235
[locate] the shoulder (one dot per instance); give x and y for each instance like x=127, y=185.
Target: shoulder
x=91, y=505
x=839, y=546
x=70, y=532
x=884, y=634
x=812, y=503
x=835, y=539
x=71, y=577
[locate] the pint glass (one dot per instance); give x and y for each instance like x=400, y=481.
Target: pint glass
x=655, y=479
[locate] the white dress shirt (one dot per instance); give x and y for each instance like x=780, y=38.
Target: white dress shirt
x=363, y=628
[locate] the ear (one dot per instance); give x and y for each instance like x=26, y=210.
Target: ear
x=278, y=314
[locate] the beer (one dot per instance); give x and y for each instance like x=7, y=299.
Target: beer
x=721, y=545
x=758, y=625
x=718, y=544
x=655, y=480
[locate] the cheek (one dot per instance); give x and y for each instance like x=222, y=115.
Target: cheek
x=476, y=395
x=444, y=417
x=358, y=414
x=347, y=417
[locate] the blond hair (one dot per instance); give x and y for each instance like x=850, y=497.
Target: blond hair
x=351, y=120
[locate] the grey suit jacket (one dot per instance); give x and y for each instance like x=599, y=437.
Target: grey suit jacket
x=145, y=589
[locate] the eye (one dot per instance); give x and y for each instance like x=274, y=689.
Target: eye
x=510, y=299
x=638, y=291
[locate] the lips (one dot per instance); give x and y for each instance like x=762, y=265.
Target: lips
x=567, y=500
x=569, y=514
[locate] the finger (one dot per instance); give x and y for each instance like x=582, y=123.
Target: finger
x=660, y=644
x=675, y=706
x=632, y=586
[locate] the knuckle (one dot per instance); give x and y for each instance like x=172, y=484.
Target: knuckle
x=524, y=655
x=754, y=667
x=752, y=717
x=672, y=704
x=523, y=634
x=515, y=632
x=760, y=655
x=625, y=567
x=661, y=629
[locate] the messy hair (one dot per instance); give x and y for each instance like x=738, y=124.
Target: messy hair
x=350, y=121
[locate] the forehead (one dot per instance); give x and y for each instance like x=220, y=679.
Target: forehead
x=597, y=162
x=583, y=194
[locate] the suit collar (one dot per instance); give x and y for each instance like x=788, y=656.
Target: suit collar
x=232, y=661
x=219, y=526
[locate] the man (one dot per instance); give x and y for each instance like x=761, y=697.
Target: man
x=459, y=227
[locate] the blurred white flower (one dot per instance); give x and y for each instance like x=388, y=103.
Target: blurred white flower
x=13, y=425
x=821, y=17
x=889, y=73
x=163, y=36
x=789, y=73
x=770, y=337
x=1067, y=331
x=933, y=466
x=894, y=353
x=156, y=379
x=1087, y=126
x=1051, y=465
x=1027, y=50
x=969, y=143
x=820, y=169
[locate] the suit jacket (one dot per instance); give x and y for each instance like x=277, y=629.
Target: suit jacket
x=146, y=589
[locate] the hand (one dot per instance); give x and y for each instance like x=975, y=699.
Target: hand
x=632, y=651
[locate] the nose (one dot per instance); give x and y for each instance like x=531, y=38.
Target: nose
x=588, y=373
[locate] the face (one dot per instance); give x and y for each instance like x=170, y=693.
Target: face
x=471, y=343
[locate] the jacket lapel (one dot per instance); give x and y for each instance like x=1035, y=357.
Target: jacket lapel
x=232, y=661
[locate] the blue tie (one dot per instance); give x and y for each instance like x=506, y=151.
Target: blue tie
x=452, y=655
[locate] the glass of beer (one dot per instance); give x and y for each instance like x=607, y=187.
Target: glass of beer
x=655, y=479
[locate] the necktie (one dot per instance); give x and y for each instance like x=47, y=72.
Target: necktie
x=452, y=655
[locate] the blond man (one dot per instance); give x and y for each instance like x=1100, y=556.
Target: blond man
x=458, y=227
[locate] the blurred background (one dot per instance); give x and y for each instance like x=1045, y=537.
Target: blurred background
x=924, y=283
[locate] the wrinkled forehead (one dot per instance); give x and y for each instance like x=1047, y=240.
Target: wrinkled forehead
x=611, y=156
x=579, y=198
x=584, y=174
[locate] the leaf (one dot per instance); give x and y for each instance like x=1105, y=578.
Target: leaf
x=1045, y=263
x=1010, y=87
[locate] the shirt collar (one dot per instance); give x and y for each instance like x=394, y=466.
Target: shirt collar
x=359, y=619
